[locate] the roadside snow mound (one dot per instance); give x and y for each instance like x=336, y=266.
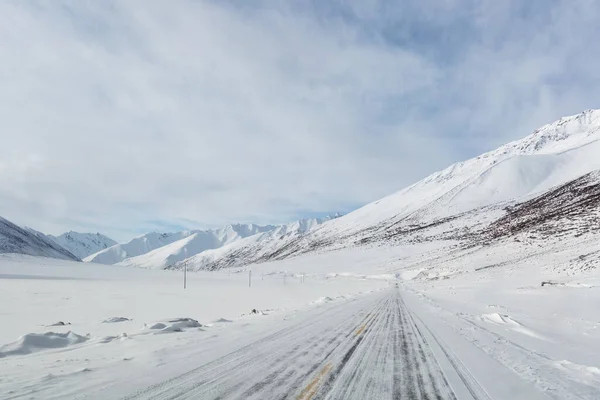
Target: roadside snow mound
x=34, y=342
x=113, y=320
x=173, y=325
x=323, y=300
x=221, y=321
x=509, y=323
x=60, y=323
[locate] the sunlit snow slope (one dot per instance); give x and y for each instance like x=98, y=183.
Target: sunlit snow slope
x=468, y=194
x=556, y=153
x=140, y=245
x=195, y=243
x=212, y=243
x=458, y=199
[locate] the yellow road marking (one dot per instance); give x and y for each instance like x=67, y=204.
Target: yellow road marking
x=310, y=390
x=361, y=329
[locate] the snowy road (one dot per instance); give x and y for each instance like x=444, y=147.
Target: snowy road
x=370, y=348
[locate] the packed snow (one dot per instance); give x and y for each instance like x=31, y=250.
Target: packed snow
x=487, y=303
x=132, y=318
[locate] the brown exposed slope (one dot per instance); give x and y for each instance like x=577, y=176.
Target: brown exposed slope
x=570, y=208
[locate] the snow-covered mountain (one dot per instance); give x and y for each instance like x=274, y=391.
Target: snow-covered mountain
x=14, y=239
x=83, y=244
x=554, y=154
x=572, y=208
x=449, y=204
x=184, y=242
x=193, y=243
x=140, y=245
x=200, y=242
x=256, y=247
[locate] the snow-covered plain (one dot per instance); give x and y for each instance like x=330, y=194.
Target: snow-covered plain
x=485, y=305
x=111, y=312
x=493, y=299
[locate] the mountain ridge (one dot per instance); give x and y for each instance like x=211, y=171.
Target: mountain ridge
x=460, y=196
x=212, y=240
x=449, y=204
x=27, y=241
x=83, y=244
x=567, y=134
x=159, y=250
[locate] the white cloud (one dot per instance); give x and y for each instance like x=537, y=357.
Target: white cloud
x=119, y=113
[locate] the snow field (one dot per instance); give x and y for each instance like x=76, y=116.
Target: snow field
x=116, y=320
x=489, y=304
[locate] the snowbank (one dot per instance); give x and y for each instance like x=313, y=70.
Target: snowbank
x=173, y=325
x=113, y=320
x=34, y=342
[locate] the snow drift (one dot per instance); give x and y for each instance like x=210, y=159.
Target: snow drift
x=34, y=342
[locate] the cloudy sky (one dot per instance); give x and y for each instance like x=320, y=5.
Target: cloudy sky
x=129, y=116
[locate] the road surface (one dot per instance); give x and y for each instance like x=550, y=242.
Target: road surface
x=370, y=348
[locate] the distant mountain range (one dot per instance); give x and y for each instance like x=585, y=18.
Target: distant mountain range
x=516, y=172
x=457, y=205
x=15, y=239
x=154, y=250
x=83, y=244
x=201, y=244
x=548, y=179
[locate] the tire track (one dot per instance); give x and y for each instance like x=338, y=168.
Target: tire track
x=370, y=348
x=237, y=374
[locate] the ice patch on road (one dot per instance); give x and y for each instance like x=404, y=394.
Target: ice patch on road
x=173, y=325
x=113, y=320
x=34, y=342
x=508, y=322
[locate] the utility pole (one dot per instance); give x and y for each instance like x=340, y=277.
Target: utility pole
x=185, y=274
